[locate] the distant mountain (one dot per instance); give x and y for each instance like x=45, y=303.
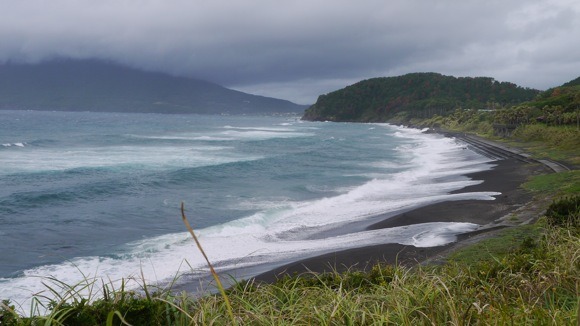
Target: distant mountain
x=90, y=85
x=418, y=95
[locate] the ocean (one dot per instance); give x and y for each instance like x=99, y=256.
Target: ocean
x=86, y=195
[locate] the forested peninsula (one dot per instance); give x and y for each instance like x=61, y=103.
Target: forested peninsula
x=417, y=95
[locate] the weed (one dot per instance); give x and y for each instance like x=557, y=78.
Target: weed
x=530, y=275
x=212, y=270
x=563, y=183
x=565, y=212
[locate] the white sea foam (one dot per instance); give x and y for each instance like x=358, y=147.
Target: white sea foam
x=260, y=134
x=230, y=133
x=385, y=165
x=158, y=259
x=14, y=144
x=234, y=133
x=143, y=157
x=213, y=138
x=282, y=230
x=190, y=136
x=274, y=129
x=327, y=189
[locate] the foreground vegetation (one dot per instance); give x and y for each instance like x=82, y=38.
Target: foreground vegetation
x=537, y=283
x=533, y=277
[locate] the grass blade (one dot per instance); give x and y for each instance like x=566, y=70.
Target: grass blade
x=212, y=270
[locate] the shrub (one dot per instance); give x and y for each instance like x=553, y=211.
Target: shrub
x=7, y=314
x=559, y=136
x=564, y=212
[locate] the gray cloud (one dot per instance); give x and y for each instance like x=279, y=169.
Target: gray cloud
x=299, y=49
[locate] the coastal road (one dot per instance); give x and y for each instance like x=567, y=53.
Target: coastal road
x=498, y=151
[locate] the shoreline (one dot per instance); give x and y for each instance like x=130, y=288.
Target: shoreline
x=511, y=170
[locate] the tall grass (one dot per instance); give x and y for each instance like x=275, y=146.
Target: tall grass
x=559, y=136
x=554, y=142
x=212, y=270
x=563, y=183
x=535, y=284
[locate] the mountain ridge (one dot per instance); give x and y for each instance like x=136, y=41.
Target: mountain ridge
x=100, y=86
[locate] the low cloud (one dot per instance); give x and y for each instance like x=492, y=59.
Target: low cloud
x=300, y=49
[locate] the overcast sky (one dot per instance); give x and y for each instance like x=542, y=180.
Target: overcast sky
x=299, y=49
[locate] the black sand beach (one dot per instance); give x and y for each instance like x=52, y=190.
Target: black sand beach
x=510, y=172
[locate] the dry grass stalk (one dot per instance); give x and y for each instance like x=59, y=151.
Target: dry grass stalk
x=212, y=270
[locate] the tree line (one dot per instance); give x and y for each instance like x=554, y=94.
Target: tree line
x=419, y=95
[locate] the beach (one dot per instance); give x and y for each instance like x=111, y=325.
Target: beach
x=260, y=192
x=510, y=172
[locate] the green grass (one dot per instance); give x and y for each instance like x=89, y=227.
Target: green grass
x=560, y=143
x=504, y=242
x=563, y=137
x=564, y=183
x=544, y=150
x=529, y=285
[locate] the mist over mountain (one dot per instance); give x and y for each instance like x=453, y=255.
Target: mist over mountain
x=91, y=85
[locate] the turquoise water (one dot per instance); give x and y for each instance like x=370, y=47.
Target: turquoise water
x=99, y=194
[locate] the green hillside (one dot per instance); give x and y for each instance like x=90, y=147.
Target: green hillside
x=574, y=82
x=420, y=95
x=566, y=96
x=89, y=85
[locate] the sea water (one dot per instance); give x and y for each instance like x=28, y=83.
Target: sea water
x=86, y=195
